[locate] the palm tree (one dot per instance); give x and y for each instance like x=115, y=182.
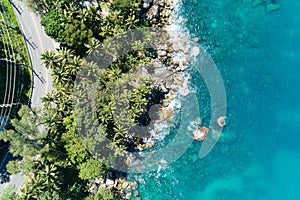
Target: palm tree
x=64, y=55
x=131, y=21
x=105, y=113
x=69, y=14
x=74, y=65
x=59, y=76
x=114, y=74
x=45, y=178
x=65, y=99
x=49, y=99
x=92, y=45
x=119, y=150
x=49, y=59
x=53, y=121
x=48, y=175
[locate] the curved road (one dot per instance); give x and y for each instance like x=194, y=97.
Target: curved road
x=37, y=42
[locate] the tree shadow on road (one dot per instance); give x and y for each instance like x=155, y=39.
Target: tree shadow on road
x=4, y=176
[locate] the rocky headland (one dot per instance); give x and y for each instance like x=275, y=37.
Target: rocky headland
x=174, y=50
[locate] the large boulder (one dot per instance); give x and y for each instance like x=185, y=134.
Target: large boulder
x=128, y=195
x=109, y=182
x=200, y=133
x=125, y=185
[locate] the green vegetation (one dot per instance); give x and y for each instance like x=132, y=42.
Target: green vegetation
x=8, y=193
x=75, y=26
x=101, y=195
x=76, y=138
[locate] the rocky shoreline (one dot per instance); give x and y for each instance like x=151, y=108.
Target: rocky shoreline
x=174, y=51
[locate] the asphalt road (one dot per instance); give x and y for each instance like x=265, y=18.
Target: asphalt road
x=37, y=42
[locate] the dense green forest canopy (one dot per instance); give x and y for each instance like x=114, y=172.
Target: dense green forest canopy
x=76, y=24
x=76, y=138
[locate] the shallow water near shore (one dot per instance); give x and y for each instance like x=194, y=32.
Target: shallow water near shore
x=258, y=55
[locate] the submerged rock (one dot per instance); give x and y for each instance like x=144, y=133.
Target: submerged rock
x=136, y=193
x=256, y=3
x=272, y=7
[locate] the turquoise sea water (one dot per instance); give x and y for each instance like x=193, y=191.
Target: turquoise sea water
x=258, y=55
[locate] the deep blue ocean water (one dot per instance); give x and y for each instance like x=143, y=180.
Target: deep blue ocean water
x=258, y=56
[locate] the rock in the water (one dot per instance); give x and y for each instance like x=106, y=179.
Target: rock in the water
x=272, y=7
x=140, y=148
x=128, y=196
x=166, y=102
x=195, y=51
x=221, y=121
x=200, y=133
x=136, y=193
x=134, y=185
x=187, y=50
x=197, y=39
x=149, y=145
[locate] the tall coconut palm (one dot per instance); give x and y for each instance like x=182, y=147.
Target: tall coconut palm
x=74, y=65
x=54, y=121
x=114, y=74
x=48, y=175
x=64, y=55
x=92, y=45
x=69, y=13
x=59, y=76
x=45, y=178
x=49, y=99
x=49, y=59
